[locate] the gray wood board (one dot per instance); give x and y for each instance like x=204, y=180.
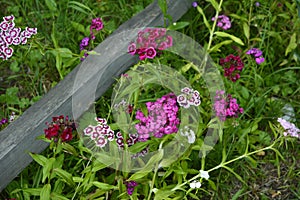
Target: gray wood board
x=19, y=138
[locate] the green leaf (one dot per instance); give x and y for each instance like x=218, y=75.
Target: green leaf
x=193, y=196
x=219, y=45
x=80, y=7
x=204, y=18
x=234, y=38
x=162, y=194
x=178, y=25
x=138, y=146
x=45, y=193
x=77, y=179
x=149, y=166
x=65, y=176
x=215, y=5
x=78, y=27
x=47, y=169
x=41, y=160
x=246, y=30
x=212, y=184
x=55, y=196
x=104, y=186
x=64, y=52
x=14, y=66
x=70, y=149
x=292, y=45
x=236, y=175
x=51, y=4
x=163, y=6
x=33, y=191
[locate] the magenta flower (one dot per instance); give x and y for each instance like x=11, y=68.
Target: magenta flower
x=60, y=127
x=97, y=24
x=84, y=43
x=150, y=52
x=232, y=65
x=223, y=22
x=162, y=118
x=257, y=54
x=149, y=42
x=130, y=185
x=226, y=106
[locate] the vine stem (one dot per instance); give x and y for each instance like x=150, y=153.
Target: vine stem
x=222, y=164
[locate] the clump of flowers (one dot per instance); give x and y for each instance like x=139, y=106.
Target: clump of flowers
x=189, y=97
x=60, y=128
x=257, y=54
x=150, y=41
x=11, y=35
x=101, y=133
x=226, y=106
x=232, y=65
x=162, y=118
x=96, y=26
x=130, y=185
x=223, y=22
x=290, y=128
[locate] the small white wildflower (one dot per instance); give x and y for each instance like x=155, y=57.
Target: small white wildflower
x=204, y=174
x=189, y=133
x=195, y=184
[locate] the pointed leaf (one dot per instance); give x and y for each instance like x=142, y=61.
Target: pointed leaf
x=234, y=38
x=45, y=193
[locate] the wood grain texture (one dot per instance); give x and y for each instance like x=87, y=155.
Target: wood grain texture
x=99, y=72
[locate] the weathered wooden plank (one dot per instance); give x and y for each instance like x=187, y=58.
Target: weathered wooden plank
x=19, y=138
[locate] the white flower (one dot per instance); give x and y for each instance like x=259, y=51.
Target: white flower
x=189, y=133
x=204, y=174
x=195, y=184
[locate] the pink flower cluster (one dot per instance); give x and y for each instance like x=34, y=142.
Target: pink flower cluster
x=188, y=97
x=232, y=65
x=60, y=127
x=149, y=42
x=226, y=106
x=162, y=118
x=223, y=22
x=96, y=25
x=101, y=133
x=290, y=128
x=9, y=34
x=257, y=53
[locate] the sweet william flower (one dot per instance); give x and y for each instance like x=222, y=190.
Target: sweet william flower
x=257, y=54
x=223, y=22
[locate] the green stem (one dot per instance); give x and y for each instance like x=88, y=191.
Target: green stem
x=76, y=190
x=222, y=164
x=153, y=181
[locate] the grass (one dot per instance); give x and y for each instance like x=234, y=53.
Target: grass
x=263, y=91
